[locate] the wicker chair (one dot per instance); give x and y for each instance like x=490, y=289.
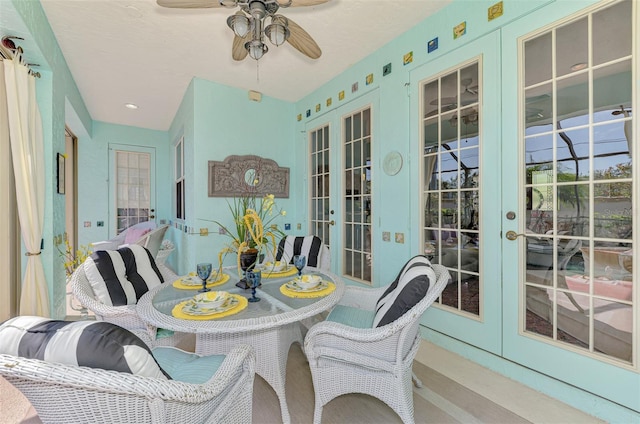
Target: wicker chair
x=120, y=239
x=375, y=361
x=73, y=394
x=124, y=316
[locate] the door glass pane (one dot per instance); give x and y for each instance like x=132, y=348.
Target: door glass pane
x=580, y=191
x=133, y=176
x=319, y=178
x=358, y=177
x=450, y=194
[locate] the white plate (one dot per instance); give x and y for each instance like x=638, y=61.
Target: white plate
x=191, y=308
x=293, y=286
x=211, y=299
x=279, y=266
x=194, y=280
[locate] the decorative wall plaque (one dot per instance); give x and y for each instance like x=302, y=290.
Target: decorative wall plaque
x=241, y=175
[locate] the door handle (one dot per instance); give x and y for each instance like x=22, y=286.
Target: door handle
x=332, y=222
x=152, y=216
x=512, y=235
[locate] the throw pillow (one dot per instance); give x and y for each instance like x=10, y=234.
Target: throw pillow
x=95, y=344
x=120, y=277
x=134, y=234
x=409, y=287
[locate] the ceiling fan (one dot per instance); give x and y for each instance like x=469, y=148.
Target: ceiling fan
x=249, y=27
x=467, y=96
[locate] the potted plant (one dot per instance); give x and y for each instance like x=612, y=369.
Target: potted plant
x=254, y=230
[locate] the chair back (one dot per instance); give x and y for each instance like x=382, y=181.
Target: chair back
x=311, y=246
x=152, y=240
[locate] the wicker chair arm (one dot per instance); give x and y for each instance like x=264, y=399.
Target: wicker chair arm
x=238, y=363
x=358, y=359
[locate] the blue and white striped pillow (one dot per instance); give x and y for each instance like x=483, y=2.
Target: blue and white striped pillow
x=309, y=246
x=95, y=344
x=409, y=288
x=120, y=277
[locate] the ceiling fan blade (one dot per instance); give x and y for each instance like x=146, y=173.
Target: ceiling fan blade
x=298, y=3
x=238, y=51
x=302, y=41
x=188, y=4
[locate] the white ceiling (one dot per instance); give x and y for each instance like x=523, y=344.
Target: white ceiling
x=136, y=51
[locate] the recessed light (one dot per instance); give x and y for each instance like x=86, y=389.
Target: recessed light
x=131, y=106
x=579, y=66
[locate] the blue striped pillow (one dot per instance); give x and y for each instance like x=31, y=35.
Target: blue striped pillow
x=95, y=344
x=120, y=277
x=409, y=288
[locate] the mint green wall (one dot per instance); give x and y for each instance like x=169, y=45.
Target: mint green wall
x=218, y=121
x=392, y=195
x=93, y=175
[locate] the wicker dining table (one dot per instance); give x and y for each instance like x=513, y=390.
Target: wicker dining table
x=271, y=325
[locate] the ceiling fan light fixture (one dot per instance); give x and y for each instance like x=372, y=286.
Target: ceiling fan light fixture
x=277, y=33
x=240, y=25
x=229, y=3
x=256, y=49
x=284, y=3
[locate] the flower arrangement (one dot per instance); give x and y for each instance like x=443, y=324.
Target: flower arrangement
x=254, y=227
x=72, y=260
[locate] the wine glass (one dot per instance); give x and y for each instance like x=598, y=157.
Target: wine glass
x=299, y=261
x=253, y=278
x=204, y=271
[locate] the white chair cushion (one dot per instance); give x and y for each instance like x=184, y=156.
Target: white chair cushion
x=95, y=344
x=409, y=287
x=120, y=277
x=187, y=367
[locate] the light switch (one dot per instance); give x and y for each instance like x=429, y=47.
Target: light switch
x=400, y=238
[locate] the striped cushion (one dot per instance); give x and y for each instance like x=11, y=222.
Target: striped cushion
x=409, y=288
x=309, y=246
x=121, y=277
x=95, y=344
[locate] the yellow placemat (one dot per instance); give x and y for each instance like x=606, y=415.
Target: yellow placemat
x=292, y=270
x=306, y=295
x=242, y=303
x=178, y=283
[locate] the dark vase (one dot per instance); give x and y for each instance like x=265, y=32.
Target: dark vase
x=248, y=260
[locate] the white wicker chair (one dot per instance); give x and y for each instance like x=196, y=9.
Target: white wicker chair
x=73, y=394
x=124, y=316
x=374, y=361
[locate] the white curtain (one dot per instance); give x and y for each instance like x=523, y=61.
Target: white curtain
x=27, y=151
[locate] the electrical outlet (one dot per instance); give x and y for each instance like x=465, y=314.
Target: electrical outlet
x=204, y=231
x=222, y=231
x=386, y=236
x=400, y=238
x=87, y=224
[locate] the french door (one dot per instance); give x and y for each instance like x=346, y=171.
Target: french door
x=132, y=188
x=457, y=177
x=340, y=154
x=569, y=189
